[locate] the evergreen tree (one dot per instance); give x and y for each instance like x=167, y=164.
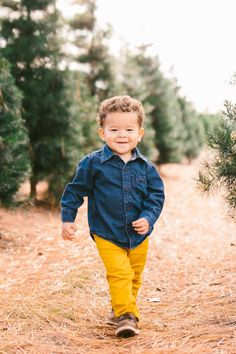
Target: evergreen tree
x=85, y=117
x=167, y=120
x=92, y=65
x=90, y=45
x=194, y=132
x=30, y=42
x=129, y=82
x=220, y=171
x=14, y=159
x=210, y=121
x=143, y=77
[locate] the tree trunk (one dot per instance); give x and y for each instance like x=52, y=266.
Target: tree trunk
x=33, y=183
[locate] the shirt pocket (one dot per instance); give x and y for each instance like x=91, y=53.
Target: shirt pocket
x=139, y=184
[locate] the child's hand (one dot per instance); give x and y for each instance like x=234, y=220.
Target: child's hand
x=141, y=226
x=68, y=230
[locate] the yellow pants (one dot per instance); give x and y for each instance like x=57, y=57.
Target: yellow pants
x=123, y=270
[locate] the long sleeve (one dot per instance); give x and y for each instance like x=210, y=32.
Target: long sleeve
x=75, y=191
x=153, y=204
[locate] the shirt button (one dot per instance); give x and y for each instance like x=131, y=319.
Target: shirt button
x=126, y=189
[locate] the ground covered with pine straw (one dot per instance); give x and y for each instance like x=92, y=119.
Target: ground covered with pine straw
x=54, y=295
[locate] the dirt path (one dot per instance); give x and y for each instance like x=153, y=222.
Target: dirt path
x=53, y=294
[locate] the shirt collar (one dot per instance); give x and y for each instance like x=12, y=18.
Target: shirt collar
x=107, y=153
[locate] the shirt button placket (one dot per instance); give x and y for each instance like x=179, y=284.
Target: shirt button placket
x=126, y=184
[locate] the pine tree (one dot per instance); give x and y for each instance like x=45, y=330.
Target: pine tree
x=210, y=121
x=85, y=117
x=14, y=159
x=131, y=81
x=30, y=42
x=194, y=130
x=143, y=76
x=220, y=171
x=92, y=67
x=90, y=45
x=167, y=122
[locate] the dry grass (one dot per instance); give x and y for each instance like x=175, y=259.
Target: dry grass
x=53, y=294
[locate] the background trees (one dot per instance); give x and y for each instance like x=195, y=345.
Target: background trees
x=32, y=46
x=194, y=129
x=220, y=170
x=174, y=129
x=64, y=69
x=14, y=159
x=89, y=48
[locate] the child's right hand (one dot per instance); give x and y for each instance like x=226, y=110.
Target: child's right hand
x=68, y=230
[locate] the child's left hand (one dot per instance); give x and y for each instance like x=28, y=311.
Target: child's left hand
x=141, y=226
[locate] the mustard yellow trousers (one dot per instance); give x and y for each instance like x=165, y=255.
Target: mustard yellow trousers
x=124, y=273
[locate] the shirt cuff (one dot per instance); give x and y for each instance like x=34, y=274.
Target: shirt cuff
x=149, y=216
x=68, y=215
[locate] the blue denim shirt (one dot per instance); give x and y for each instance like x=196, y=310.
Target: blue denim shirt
x=118, y=194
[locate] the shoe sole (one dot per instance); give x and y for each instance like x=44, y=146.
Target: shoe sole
x=126, y=332
x=112, y=323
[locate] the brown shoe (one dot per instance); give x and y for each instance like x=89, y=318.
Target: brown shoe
x=127, y=326
x=112, y=319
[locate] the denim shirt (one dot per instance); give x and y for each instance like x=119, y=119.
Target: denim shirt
x=118, y=194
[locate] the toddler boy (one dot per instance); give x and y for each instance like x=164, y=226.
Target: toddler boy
x=125, y=198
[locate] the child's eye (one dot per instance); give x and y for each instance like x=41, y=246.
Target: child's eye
x=130, y=130
x=113, y=130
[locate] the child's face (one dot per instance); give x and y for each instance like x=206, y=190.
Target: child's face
x=122, y=133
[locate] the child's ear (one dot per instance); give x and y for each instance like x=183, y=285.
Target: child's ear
x=101, y=134
x=141, y=133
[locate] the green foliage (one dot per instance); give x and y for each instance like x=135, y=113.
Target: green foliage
x=167, y=122
x=33, y=48
x=14, y=159
x=92, y=51
x=174, y=129
x=147, y=145
x=210, y=122
x=220, y=171
x=60, y=104
x=131, y=81
x=99, y=78
x=167, y=130
x=194, y=130
x=85, y=119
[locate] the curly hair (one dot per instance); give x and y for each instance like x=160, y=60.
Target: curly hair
x=120, y=104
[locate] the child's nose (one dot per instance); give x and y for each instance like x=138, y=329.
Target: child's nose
x=122, y=133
